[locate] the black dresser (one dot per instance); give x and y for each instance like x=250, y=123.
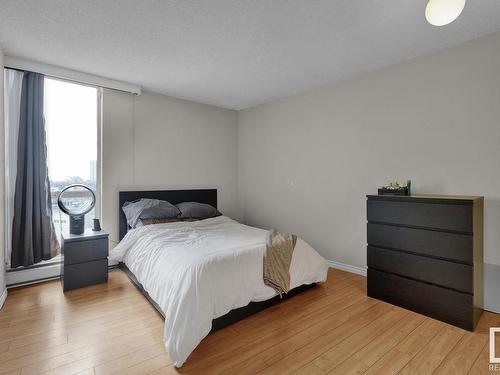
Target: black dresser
x=425, y=253
x=85, y=259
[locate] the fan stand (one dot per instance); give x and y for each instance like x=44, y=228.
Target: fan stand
x=76, y=224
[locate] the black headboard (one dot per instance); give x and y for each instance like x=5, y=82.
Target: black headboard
x=208, y=196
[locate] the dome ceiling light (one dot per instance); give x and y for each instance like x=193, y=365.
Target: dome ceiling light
x=443, y=12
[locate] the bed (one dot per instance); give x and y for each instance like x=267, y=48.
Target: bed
x=203, y=275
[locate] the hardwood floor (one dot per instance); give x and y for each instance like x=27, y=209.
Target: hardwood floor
x=333, y=328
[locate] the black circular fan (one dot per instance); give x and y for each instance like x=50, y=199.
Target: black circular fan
x=76, y=201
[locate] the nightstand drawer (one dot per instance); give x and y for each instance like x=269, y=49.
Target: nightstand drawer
x=83, y=274
x=85, y=251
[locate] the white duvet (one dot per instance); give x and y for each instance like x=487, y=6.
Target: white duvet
x=199, y=271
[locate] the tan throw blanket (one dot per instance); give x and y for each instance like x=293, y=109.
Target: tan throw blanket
x=277, y=260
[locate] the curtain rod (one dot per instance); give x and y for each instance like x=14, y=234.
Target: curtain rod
x=20, y=64
x=12, y=68
x=53, y=77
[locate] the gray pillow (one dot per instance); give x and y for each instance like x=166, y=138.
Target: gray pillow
x=163, y=210
x=148, y=209
x=195, y=210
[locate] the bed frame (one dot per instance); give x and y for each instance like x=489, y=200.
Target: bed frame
x=208, y=196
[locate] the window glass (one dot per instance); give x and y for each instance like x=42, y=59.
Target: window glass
x=71, y=123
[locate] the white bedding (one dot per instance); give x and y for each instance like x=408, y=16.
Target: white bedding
x=199, y=271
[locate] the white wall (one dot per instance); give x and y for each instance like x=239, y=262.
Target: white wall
x=306, y=162
x=153, y=141
x=3, y=291
x=117, y=155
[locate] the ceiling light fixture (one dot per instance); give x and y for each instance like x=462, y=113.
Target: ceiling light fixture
x=443, y=12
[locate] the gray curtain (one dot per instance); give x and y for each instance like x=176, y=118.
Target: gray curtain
x=33, y=236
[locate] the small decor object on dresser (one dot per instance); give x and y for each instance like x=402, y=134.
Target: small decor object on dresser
x=395, y=188
x=96, y=227
x=84, y=259
x=425, y=253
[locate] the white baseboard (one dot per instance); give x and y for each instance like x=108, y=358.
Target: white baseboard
x=347, y=267
x=33, y=275
x=37, y=275
x=491, y=281
x=3, y=297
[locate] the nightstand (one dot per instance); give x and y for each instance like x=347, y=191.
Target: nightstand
x=84, y=259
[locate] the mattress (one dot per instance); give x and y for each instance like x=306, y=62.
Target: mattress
x=198, y=271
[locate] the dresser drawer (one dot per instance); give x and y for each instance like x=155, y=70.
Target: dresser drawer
x=447, y=274
x=84, y=251
x=454, y=217
x=453, y=246
x=83, y=274
x=439, y=303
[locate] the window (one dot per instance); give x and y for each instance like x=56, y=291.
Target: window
x=72, y=127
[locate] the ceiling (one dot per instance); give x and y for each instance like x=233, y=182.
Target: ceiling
x=231, y=53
